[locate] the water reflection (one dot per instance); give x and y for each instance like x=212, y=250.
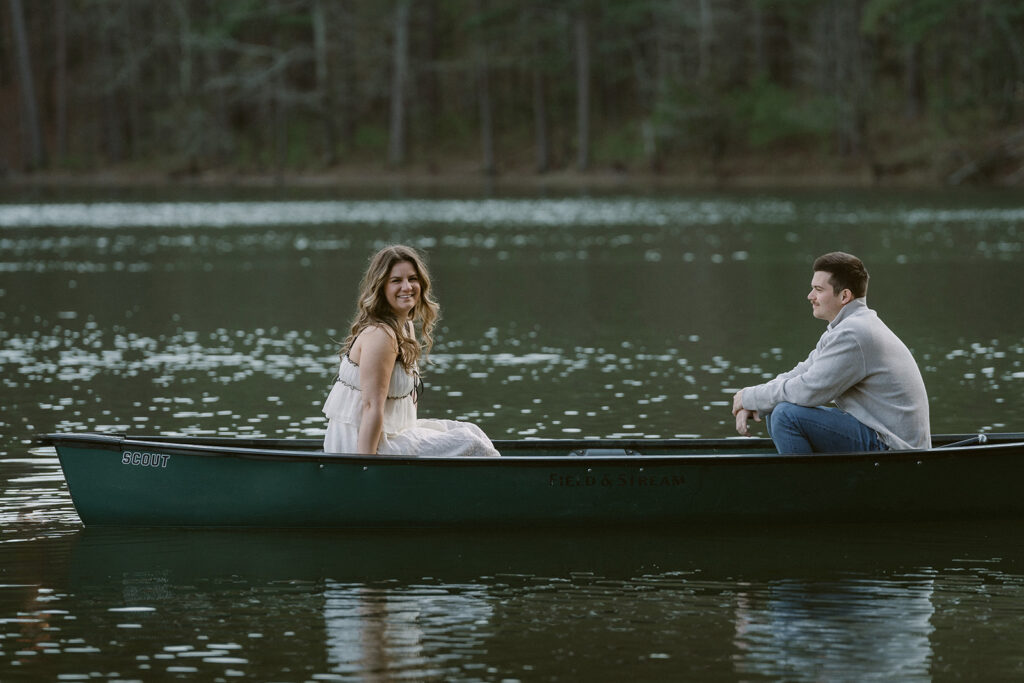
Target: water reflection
x=801, y=603
x=395, y=632
x=802, y=631
x=555, y=212
x=563, y=317
x=487, y=212
x=270, y=382
x=127, y=238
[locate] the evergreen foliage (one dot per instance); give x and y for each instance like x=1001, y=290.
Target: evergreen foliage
x=281, y=85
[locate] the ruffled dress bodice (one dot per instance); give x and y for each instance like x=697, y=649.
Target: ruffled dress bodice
x=345, y=402
x=402, y=432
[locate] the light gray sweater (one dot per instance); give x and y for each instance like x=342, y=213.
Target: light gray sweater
x=866, y=370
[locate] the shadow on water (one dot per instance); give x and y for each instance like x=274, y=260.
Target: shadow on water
x=95, y=555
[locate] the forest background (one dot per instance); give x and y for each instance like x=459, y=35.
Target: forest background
x=923, y=92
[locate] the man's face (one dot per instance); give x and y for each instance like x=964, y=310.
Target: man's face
x=825, y=303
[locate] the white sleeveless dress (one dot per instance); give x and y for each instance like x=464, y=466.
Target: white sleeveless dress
x=402, y=433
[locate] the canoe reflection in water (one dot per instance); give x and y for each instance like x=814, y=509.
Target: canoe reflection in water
x=795, y=630
x=375, y=629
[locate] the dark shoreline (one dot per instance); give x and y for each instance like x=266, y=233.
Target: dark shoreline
x=516, y=181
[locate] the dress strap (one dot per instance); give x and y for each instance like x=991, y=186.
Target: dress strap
x=417, y=381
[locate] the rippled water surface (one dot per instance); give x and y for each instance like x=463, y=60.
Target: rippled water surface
x=563, y=317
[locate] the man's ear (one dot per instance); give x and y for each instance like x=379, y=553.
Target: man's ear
x=846, y=296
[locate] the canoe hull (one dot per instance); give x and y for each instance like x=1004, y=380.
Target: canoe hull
x=115, y=481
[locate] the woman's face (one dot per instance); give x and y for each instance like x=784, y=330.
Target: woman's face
x=402, y=289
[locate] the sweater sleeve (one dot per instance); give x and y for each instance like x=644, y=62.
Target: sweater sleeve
x=827, y=373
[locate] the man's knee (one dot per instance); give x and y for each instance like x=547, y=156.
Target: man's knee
x=784, y=413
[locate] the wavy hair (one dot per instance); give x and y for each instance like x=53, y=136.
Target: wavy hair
x=372, y=307
x=846, y=271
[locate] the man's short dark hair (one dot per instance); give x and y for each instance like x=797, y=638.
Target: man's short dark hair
x=846, y=271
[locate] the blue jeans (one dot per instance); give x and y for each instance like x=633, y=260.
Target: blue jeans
x=798, y=429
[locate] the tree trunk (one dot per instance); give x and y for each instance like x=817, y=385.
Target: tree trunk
x=849, y=76
x=32, y=127
x=915, y=92
x=111, y=123
x=396, y=144
x=60, y=84
x=581, y=31
x=760, y=65
x=346, y=80
x=134, y=59
x=428, y=86
x=324, y=99
x=705, y=41
x=540, y=113
x=279, y=105
x=221, y=143
x=489, y=166
x=185, y=45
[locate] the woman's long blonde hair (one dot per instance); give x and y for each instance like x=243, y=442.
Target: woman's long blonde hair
x=372, y=307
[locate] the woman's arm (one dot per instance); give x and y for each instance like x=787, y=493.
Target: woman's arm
x=377, y=356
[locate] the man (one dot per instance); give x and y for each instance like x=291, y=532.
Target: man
x=859, y=364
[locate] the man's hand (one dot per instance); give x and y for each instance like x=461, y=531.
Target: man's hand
x=737, y=402
x=742, y=417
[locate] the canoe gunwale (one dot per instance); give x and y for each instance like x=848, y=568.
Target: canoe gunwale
x=575, y=451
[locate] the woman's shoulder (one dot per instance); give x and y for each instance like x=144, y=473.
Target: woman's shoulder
x=375, y=335
x=379, y=331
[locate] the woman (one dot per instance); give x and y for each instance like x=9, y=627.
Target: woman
x=372, y=405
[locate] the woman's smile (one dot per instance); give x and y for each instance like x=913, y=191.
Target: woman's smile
x=403, y=288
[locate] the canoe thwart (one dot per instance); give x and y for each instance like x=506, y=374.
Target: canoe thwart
x=592, y=452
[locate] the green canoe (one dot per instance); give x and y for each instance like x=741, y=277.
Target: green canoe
x=116, y=480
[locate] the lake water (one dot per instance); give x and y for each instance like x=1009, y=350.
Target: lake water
x=564, y=317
